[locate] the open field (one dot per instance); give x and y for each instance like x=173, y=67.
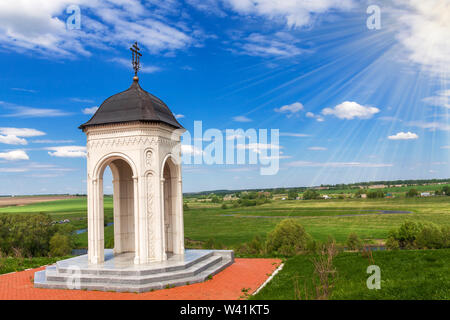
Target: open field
x=321, y=218
x=409, y=275
x=25, y=200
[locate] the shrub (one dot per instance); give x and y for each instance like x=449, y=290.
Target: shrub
x=29, y=233
x=288, y=238
x=406, y=235
x=353, y=242
x=375, y=194
x=430, y=237
x=310, y=195
x=224, y=206
x=60, y=245
x=212, y=244
x=185, y=206
x=292, y=195
x=414, y=235
x=412, y=193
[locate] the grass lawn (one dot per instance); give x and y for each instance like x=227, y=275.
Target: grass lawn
x=411, y=275
x=10, y=264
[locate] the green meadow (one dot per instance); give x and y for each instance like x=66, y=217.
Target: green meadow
x=419, y=274
x=230, y=227
x=405, y=275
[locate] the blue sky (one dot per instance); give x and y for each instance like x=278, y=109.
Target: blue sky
x=351, y=103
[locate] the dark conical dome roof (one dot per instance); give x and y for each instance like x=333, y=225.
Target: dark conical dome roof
x=134, y=104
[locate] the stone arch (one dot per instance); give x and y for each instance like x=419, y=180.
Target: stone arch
x=172, y=206
x=125, y=204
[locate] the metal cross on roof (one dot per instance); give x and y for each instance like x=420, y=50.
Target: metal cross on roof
x=136, y=58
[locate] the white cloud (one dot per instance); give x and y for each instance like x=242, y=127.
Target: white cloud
x=24, y=90
x=21, y=132
x=423, y=32
x=315, y=116
x=441, y=99
x=445, y=147
x=15, y=136
x=290, y=108
x=291, y=134
x=28, y=112
x=338, y=164
x=52, y=141
x=257, y=147
x=187, y=149
x=280, y=44
x=179, y=116
x=90, y=111
x=432, y=126
x=295, y=13
x=317, y=149
x=404, y=136
x=40, y=26
x=351, y=110
x=8, y=139
x=67, y=151
x=144, y=68
x=14, y=155
x=242, y=119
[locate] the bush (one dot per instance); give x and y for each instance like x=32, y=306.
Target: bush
x=288, y=238
x=310, y=195
x=185, y=206
x=224, y=206
x=30, y=233
x=60, y=245
x=354, y=242
x=430, y=237
x=375, y=194
x=254, y=247
x=292, y=195
x=212, y=244
x=414, y=235
x=412, y=193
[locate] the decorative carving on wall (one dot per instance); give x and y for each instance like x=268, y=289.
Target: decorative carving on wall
x=131, y=141
x=149, y=158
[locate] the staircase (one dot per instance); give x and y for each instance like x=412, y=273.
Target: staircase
x=119, y=274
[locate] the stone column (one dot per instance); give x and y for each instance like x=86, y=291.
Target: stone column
x=137, y=229
x=161, y=223
x=179, y=248
x=95, y=222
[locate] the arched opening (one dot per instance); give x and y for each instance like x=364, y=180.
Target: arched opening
x=170, y=176
x=123, y=205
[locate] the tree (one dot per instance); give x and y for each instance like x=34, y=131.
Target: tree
x=292, y=195
x=412, y=193
x=288, y=238
x=310, y=195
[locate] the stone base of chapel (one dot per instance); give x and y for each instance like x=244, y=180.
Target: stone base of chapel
x=119, y=273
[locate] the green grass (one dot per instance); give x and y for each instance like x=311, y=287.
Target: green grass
x=409, y=275
x=321, y=218
x=10, y=264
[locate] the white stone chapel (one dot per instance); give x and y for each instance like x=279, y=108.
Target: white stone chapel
x=138, y=137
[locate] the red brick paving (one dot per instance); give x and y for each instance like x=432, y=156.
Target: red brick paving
x=227, y=285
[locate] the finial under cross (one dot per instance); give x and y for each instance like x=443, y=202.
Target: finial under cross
x=136, y=58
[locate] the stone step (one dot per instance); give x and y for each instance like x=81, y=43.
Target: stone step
x=55, y=276
x=64, y=267
x=42, y=282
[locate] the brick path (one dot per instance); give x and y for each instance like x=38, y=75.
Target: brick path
x=227, y=285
